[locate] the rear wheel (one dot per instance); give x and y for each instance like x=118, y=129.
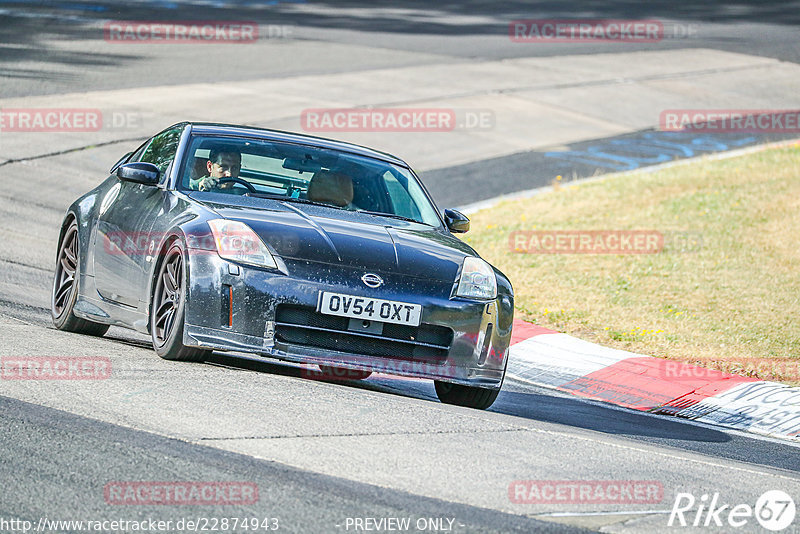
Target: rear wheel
x=65, y=288
x=167, y=309
x=467, y=396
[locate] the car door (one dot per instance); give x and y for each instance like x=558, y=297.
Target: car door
x=123, y=240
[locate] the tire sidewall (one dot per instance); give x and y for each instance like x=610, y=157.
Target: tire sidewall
x=66, y=313
x=174, y=341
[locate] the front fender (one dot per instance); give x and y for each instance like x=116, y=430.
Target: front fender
x=84, y=210
x=190, y=227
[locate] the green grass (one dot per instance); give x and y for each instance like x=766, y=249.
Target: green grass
x=725, y=287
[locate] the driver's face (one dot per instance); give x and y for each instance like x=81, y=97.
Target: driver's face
x=226, y=166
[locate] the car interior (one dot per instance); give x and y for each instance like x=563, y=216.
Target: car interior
x=315, y=175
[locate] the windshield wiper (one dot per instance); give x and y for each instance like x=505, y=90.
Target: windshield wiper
x=392, y=215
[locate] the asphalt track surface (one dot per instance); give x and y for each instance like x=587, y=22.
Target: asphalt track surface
x=463, y=31
x=299, y=500
x=461, y=185
x=321, y=453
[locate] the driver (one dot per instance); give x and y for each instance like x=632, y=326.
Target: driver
x=223, y=162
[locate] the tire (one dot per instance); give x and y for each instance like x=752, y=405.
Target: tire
x=340, y=373
x=167, y=309
x=467, y=396
x=65, y=287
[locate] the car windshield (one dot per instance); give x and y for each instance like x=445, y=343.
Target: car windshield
x=305, y=174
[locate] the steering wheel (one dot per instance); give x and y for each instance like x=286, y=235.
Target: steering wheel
x=237, y=181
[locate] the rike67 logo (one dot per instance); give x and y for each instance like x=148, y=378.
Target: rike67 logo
x=774, y=510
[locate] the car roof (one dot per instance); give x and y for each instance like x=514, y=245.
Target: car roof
x=209, y=128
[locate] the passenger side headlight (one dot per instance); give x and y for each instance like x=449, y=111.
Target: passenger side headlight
x=478, y=280
x=238, y=242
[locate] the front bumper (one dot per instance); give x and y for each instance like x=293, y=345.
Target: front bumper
x=230, y=311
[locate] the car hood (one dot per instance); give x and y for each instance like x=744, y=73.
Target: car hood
x=325, y=235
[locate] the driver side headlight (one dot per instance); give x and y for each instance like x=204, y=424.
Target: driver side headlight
x=478, y=280
x=238, y=242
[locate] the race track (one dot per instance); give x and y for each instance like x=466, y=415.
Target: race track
x=324, y=454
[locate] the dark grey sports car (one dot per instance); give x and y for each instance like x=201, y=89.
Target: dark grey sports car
x=304, y=249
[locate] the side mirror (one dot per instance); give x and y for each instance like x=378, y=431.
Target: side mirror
x=139, y=173
x=456, y=222
x=120, y=162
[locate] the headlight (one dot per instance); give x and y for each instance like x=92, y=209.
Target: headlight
x=238, y=242
x=477, y=280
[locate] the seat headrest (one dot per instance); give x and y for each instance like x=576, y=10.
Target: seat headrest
x=199, y=168
x=331, y=188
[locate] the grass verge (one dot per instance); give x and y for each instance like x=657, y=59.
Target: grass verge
x=724, y=292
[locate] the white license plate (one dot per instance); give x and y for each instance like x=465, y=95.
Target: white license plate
x=370, y=309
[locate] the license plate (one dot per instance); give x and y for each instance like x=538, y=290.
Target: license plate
x=370, y=309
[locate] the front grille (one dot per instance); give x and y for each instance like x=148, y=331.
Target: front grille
x=303, y=326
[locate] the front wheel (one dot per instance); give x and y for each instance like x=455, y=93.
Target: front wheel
x=467, y=396
x=167, y=309
x=65, y=288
